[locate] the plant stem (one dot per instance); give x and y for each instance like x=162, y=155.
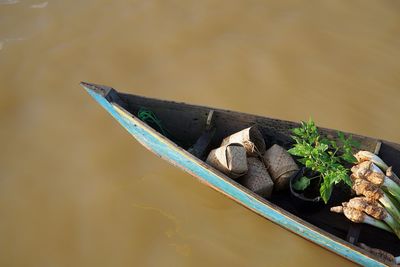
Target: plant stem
x=379, y=224
x=366, y=155
x=392, y=187
x=396, y=204
x=393, y=224
x=390, y=207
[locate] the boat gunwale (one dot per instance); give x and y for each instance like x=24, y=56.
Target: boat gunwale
x=257, y=116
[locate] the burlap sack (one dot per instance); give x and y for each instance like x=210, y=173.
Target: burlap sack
x=257, y=178
x=229, y=159
x=251, y=138
x=280, y=165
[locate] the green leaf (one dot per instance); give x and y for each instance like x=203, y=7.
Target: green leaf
x=309, y=163
x=334, y=144
x=302, y=161
x=354, y=143
x=294, y=151
x=347, y=180
x=298, y=150
x=325, y=190
x=341, y=136
x=315, y=152
x=310, y=122
x=297, y=131
x=302, y=183
x=349, y=158
x=322, y=147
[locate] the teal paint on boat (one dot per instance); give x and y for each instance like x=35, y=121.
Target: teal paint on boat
x=162, y=147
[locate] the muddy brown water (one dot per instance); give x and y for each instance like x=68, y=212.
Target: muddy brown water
x=77, y=190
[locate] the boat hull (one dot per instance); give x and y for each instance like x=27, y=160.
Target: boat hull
x=169, y=151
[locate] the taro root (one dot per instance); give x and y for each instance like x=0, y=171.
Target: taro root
x=280, y=165
x=362, y=156
x=368, y=206
x=229, y=159
x=374, y=193
x=257, y=178
x=358, y=216
x=367, y=189
x=373, y=209
x=369, y=171
x=251, y=138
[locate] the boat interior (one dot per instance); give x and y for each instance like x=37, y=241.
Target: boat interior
x=199, y=129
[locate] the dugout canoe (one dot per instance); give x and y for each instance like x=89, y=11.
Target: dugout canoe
x=189, y=132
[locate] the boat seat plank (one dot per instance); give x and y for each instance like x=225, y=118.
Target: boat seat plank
x=353, y=234
x=202, y=144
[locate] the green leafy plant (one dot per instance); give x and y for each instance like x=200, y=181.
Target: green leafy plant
x=323, y=157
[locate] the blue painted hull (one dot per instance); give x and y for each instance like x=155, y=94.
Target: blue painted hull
x=179, y=157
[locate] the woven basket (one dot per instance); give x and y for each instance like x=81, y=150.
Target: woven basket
x=280, y=165
x=257, y=178
x=251, y=138
x=229, y=159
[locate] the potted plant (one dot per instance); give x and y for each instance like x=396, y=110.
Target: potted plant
x=324, y=162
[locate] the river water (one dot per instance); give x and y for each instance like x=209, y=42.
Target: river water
x=77, y=190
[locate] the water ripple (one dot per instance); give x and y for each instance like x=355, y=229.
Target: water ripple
x=40, y=5
x=9, y=2
x=7, y=40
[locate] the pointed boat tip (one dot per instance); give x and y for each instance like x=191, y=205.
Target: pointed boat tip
x=85, y=84
x=96, y=88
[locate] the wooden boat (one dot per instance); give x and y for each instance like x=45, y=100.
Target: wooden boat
x=190, y=136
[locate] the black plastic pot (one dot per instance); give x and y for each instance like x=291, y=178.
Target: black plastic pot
x=301, y=202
